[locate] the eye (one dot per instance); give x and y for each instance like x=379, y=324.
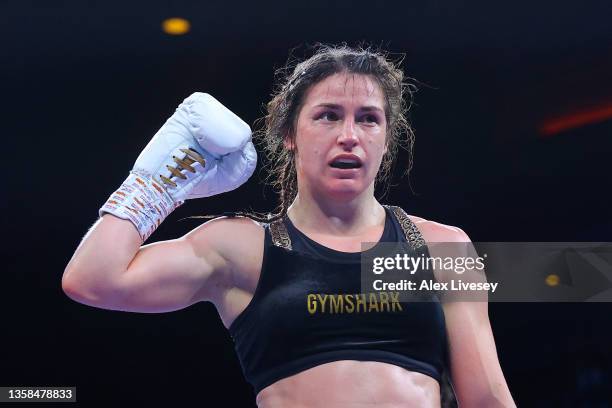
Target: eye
x=370, y=118
x=329, y=116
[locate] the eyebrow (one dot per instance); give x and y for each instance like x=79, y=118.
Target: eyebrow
x=368, y=108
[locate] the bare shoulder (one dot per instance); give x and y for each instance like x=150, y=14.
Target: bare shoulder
x=462, y=247
x=433, y=231
x=237, y=242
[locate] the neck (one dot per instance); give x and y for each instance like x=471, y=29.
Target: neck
x=340, y=216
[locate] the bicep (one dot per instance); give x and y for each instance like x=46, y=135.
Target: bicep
x=170, y=275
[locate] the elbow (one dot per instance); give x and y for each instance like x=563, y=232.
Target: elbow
x=72, y=289
x=69, y=284
x=99, y=294
x=493, y=400
x=494, y=396
x=76, y=290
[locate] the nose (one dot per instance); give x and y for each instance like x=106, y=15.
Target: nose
x=348, y=137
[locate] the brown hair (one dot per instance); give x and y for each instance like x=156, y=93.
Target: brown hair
x=293, y=83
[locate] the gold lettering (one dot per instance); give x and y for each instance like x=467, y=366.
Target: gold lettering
x=353, y=303
x=312, y=303
x=361, y=300
x=350, y=308
x=384, y=301
x=373, y=302
x=336, y=303
x=322, y=300
x=395, y=300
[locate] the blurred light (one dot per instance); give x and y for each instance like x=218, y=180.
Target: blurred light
x=576, y=120
x=552, y=280
x=176, y=26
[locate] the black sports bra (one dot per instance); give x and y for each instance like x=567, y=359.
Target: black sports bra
x=308, y=310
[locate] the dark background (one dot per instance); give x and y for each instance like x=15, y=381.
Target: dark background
x=86, y=84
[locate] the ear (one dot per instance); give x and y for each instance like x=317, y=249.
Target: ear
x=288, y=142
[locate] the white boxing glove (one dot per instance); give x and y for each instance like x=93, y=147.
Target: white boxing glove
x=203, y=149
x=201, y=124
x=224, y=134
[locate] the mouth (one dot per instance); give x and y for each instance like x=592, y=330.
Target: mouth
x=346, y=162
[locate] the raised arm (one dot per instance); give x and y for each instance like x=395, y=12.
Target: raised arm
x=110, y=269
x=202, y=150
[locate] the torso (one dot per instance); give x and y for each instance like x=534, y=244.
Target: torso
x=345, y=383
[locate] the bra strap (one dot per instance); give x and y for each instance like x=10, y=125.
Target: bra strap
x=280, y=236
x=411, y=231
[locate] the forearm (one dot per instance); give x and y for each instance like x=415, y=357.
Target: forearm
x=180, y=162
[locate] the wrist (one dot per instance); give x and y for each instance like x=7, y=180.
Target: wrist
x=141, y=200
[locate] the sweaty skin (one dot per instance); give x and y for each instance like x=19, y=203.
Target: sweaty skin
x=342, y=118
x=343, y=114
x=338, y=384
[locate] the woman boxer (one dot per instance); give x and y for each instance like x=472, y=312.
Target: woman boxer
x=334, y=125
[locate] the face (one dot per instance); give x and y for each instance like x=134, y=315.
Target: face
x=340, y=136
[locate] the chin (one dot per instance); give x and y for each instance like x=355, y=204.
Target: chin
x=345, y=189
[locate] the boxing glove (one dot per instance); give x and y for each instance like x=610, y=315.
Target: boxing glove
x=203, y=149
